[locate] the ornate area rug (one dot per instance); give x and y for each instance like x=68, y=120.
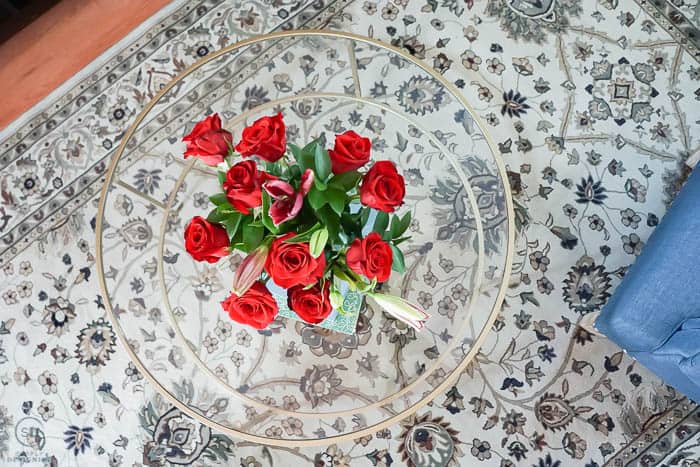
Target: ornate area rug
x=593, y=104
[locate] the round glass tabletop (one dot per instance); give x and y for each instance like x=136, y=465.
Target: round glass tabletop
x=293, y=383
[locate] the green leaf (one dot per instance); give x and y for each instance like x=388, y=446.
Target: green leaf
x=399, y=225
x=381, y=222
x=405, y=223
x=305, y=156
x=330, y=220
x=364, y=216
x=231, y=223
x=215, y=216
x=400, y=240
x=336, y=200
x=305, y=235
x=296, y=152
x=318, y=242
x=253, y=235
x=312, y=144
x=351, y=224
x=266, y=219
x=293, y=173
x=319, y=184
x=394, y=225
x=397, y=261
x=273, y=168
x=221, y=176
x=322, y=162
x=219, y=199
x=346, y=180
x=307, y=160
x=241, y=246
x=340, y=274
x=317, y=199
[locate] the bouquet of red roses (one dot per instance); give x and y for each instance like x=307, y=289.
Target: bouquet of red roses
x=311, y=220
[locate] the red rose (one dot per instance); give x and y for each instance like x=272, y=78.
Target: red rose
x=243, y=186
x=311, y=304
x=265, y=138
x=257, y=307
x=208, y=141
x=382, y=187
x=291, y=264
x=351, y=151
x=370, y=256
x=205, y=241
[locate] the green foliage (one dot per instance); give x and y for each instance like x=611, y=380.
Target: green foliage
x=399, y=225
x=316, y=198
x=318, y=242
x=346, y=181
x=219, y=199
x=231, y=223
x=322, y=163
x=381, y=222
x=305, y=235
x=397, y=261
x=329, y=220
x=253, y=235
x=336, y=200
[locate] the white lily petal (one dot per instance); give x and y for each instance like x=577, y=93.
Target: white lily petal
x=401, y=309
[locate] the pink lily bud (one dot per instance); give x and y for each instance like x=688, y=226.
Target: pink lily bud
x=248, y=272
x=307, y=179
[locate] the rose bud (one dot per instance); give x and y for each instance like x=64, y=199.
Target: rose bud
x=205, y=241
x=243, y=186
x=290, y=264
x=351, y=151
x=265, y=138
x=257, y=307
x=312, y=305
x=371, y=257
x=208, y=141
x=382, y=187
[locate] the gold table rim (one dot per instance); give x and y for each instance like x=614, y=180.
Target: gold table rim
x=510, y=244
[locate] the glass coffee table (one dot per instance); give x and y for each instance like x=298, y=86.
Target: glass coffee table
x=294, y=384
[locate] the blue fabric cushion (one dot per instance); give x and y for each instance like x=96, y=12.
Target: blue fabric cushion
x=655, y=312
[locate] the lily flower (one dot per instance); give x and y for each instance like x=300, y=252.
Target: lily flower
x=401, y=309
x=248, y=272
x=287, y=201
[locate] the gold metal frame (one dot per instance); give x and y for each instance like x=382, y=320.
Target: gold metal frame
x=436, y=390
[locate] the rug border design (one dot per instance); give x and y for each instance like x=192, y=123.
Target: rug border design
x=683, y=31
x=652, y=438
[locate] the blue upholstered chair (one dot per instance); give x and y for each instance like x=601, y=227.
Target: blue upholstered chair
x=655, y=312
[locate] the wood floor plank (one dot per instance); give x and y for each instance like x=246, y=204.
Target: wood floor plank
x=60, y=43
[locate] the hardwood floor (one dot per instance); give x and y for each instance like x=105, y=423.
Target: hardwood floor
x=60, y=43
